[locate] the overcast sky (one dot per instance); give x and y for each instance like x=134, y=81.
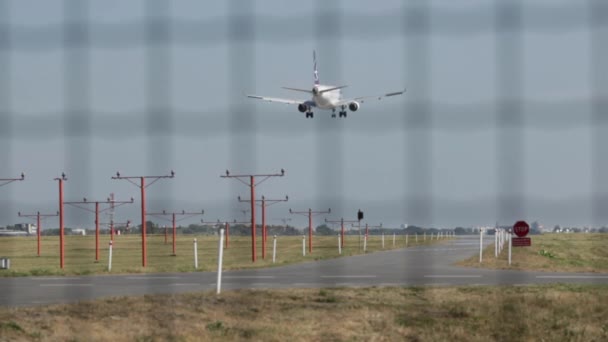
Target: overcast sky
x=145, y=108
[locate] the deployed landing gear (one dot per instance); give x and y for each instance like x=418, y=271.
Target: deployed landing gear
x=309, y=115
x=333, y=113
x=343, y=111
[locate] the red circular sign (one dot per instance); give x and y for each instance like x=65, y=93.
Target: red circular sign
x=521, y=228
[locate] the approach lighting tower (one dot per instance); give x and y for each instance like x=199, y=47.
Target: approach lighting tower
x=38, y=216
x=310, y=213
x=60, y=180
x=142, y=186
x=5, y=181
x=96, y=211
x=341, y=221
x=174, y=220
x=264, y=203
x=249, y=180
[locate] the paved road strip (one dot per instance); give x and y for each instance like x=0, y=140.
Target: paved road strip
x=68, y=284
x=570, y=277
x=348, y=276
x=247, y=277
x=453, y=276
x=152, y=277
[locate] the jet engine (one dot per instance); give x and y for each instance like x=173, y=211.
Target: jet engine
x=353, y=106
x=302, y=108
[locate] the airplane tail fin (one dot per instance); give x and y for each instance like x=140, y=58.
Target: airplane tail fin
x=314, y=62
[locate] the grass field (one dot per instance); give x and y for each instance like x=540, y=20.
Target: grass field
x=534, y=313
x=126, y=258
x=551, y=252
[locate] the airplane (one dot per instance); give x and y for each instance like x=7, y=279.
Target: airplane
x=324, y=97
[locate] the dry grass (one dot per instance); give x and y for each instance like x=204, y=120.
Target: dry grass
x=551, y=252
x=535, y=313
x=80, y=253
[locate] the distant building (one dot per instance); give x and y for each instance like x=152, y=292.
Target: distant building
x=29, y=228
x=79, y=231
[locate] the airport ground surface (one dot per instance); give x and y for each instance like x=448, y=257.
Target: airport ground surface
x=414, y=266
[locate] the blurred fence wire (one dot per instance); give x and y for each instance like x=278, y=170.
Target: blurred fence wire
x=78, y=37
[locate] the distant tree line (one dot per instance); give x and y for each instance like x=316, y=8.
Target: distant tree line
x=321, y=230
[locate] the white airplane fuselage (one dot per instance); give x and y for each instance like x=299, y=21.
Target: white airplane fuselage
x=328, y=99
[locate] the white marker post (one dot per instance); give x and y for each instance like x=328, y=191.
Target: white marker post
x=393, y=239
x=274, y=250
x=220, y=249
x=509, y=242
x=406, y=236
x=339, y=245
x=382, y=240
x=110, y=257
x=303, y=245
x=496, y=244
x=502, y=241
x=499, y=241
x=480, y=245
x=365, y=244
x=195, y=256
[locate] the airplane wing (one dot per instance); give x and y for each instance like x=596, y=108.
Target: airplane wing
x=363, y=99
x=276, y=99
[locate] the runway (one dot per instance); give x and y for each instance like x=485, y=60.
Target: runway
x=414, y=266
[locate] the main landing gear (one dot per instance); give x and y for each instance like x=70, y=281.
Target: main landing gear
x=342, y=113
x=309, y=115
